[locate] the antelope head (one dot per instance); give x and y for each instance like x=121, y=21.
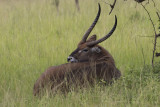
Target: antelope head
x=88, y=49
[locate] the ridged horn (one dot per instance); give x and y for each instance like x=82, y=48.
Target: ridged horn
x=92, y=26
x=106, y=36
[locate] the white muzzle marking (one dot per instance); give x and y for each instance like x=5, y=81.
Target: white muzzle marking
x=71, y=59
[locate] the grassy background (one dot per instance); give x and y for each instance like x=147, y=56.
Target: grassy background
x=33, y=36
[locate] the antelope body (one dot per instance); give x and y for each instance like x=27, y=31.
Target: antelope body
x=88, y=63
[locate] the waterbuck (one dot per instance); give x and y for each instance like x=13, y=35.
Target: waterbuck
x=88, y=64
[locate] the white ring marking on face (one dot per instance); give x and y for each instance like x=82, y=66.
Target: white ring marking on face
x=79, y=51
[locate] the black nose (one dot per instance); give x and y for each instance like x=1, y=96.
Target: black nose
x=69, y=58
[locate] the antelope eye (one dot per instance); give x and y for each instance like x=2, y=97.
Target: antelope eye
x=85, y=50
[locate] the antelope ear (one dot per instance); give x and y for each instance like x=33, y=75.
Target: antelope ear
x=92, y=38
x=96, y=49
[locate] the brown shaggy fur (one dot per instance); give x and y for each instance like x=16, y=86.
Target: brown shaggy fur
x=64, y=76
x=89, y=63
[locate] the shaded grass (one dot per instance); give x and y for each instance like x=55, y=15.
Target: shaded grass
x=33, y=37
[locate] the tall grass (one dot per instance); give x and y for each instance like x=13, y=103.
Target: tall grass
x=33, y=36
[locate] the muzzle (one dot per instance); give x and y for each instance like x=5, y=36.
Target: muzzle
x=71, y=59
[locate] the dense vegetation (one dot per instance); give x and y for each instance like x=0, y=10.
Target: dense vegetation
x=33, y=36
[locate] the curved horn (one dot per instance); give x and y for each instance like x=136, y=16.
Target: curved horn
x=105, y=37
x=92, y=26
